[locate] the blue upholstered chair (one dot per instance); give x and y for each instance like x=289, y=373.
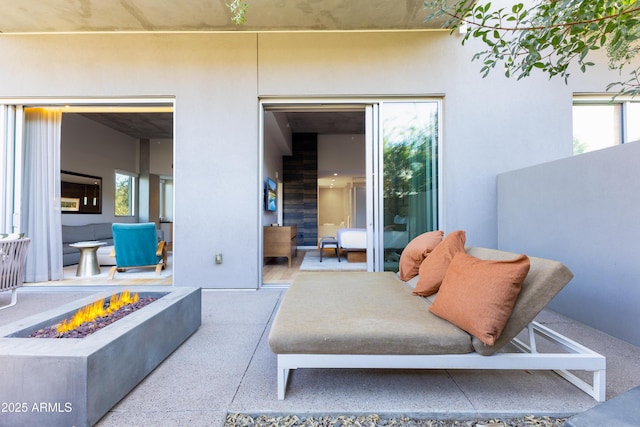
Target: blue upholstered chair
x=137, y=246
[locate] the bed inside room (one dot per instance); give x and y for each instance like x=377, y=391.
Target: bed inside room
x=396, y=237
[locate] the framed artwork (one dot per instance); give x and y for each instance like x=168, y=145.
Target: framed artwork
x=86, y=190
x=270, y=195
x=69, y=204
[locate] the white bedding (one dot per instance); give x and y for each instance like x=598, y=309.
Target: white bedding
x=352, y=238
x=356, y=238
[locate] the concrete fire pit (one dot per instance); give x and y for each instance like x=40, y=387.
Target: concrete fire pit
x=74, y=382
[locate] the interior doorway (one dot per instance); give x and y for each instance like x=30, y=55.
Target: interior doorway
x=316, y=153
x=92, y=126
x=392, y=191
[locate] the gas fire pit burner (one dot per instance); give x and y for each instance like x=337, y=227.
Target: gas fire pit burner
x=94, y=325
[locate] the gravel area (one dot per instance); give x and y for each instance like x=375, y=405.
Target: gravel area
x=242, y=420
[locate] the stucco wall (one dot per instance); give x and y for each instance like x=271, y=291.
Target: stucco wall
x=213, y=79
x=584, y=212
x=489, y=125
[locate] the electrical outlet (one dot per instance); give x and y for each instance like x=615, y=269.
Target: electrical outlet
x=218, y=258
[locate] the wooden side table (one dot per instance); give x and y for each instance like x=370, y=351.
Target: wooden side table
x=88, y=264
x=280, y=241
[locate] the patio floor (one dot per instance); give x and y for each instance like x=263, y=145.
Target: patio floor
x=227, y=367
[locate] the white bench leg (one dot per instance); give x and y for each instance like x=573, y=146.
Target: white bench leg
x=283, y=376
x=599, y=385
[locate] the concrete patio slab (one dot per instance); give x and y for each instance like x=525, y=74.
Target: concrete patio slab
x=226, y=366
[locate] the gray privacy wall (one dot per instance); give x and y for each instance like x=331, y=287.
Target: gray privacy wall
x=585, y=212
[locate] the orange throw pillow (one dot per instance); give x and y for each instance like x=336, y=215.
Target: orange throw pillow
x=478, y=295
x=434, y=267
x=416, y=251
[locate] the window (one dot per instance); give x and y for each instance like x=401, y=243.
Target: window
x=602, y=123
x=125, y=193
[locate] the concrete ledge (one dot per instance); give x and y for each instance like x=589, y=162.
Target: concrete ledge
x=621, y=411
x=48, y=381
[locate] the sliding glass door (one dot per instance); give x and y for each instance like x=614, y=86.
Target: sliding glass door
x=399, y=188
x=407, y=162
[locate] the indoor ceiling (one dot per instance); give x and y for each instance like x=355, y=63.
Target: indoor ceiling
x=160, y=125
x=326, y=122
x=136, y=125
x=56, y=16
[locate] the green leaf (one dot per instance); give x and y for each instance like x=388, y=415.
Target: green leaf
x=564, y=30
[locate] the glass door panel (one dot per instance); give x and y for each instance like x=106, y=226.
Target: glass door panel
x=372, y=148
x=409, y=178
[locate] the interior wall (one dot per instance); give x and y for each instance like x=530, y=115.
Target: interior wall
x=331, y=210
x=161, y=157
x=345, y=155
x=582, y=211
x=91, y=148
x=274, y=148
x=342, y=153
x=300, y=188
x=161, y=164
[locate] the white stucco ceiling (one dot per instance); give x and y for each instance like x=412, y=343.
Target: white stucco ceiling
x=51, y=16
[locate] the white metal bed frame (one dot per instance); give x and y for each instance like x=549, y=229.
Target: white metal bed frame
x=578, y=357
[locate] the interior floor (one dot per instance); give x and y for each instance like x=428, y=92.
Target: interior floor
x=276, y=270
x=131, y=277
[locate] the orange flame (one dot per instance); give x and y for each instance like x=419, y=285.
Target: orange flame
x=93, y=311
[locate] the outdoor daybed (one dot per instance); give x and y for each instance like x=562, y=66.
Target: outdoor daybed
x=374, y=320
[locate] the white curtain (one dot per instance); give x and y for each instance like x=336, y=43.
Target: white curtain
x=41, y=216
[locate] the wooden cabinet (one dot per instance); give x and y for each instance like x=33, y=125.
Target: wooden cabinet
x=280, y=242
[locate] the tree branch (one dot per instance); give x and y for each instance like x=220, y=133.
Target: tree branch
x=541, y=27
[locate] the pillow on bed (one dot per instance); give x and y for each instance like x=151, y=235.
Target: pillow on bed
x=416, y=251
x=478, y=295
x=434, y=267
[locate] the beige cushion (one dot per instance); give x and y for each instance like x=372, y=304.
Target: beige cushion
x=360, y=313
x=375, y=313
x=434, y=267
x=416, y=251
x=545, y=279
x=478, y=295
